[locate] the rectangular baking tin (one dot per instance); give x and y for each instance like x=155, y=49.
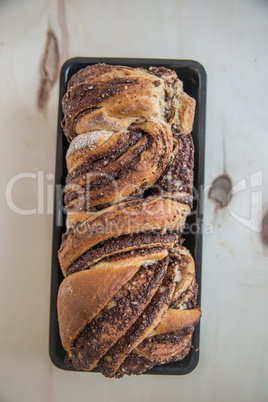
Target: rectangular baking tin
x=193, y=76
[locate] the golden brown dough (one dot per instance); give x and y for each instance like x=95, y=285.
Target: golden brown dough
x=105, y=97
x=99, y=285
x=109, y=310
x=120, y=121
x=129, y=297
x=137, y=216
x=151, y=316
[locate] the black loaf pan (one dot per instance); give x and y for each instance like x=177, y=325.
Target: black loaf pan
x=193, y=76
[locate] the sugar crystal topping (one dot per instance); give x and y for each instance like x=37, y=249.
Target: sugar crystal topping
x=87, y=141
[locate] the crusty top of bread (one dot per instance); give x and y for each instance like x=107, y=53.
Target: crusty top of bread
x=129, y=217
x=129, y=297
x=114, y=97
x=83, y=295
x=176, y=320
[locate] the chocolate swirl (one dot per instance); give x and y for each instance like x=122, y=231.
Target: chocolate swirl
x=129, y=297
x=119, y=121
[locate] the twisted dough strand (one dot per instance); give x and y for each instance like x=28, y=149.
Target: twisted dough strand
x=120, y=122
x=129, y=297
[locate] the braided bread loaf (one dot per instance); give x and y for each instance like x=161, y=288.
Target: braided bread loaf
x=129, y=297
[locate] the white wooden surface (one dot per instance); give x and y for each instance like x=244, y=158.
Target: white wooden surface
x=231, y=40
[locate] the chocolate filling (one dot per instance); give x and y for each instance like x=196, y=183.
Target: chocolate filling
x=98, y=161
x=180, y=169
x=125, y=343
x=188, y=300
x=85, y=184
x=177, y=180
x=136, y=363
x=163, y=71
x=95, y=70
x=173, y=337
x=82, y=93
x=91, y=344
x=118, y=244
x=87, y=92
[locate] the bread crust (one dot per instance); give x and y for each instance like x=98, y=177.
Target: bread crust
x=148, y=159
x=83, y=295
x=129, y=297
x=111, y=94
x=130, y=217
x=147, y=355
x=187, y=271
x=113, y=109
x=177, y=320
x=152, y=315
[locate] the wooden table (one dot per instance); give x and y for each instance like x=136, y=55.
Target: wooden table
x=230, y=39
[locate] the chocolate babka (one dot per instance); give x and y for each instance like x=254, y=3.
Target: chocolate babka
x=129, y=298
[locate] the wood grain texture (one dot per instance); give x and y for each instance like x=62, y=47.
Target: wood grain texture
x=230, y=40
